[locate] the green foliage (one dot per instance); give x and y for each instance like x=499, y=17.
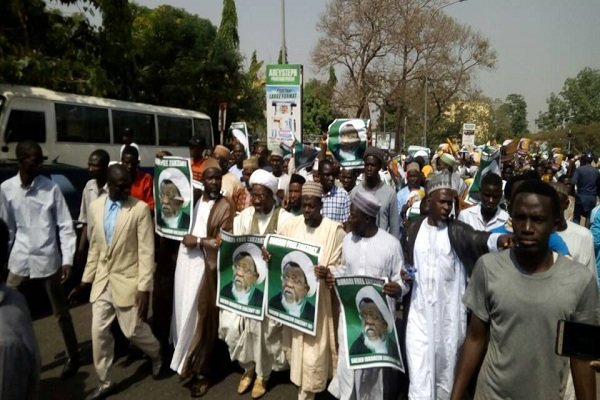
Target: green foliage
x=172, y=55
x=577, y=104
x=162, y=56
x=40, y=47
x=516, y=109
x=227, y=33
x=583, y=138
x=317, y=110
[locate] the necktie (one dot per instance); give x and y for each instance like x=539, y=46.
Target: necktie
x=109, y=222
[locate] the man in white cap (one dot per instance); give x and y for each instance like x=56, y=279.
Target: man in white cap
x=377, y=327
x=387, y=218
x=257, y=357
x=175, y=195
x=249, y=270
x=370, y=251
x=298, y=283
x=312, y=358
x=443, y=251
x=283, y=179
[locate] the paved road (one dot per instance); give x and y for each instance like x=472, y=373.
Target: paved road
x=131, y=373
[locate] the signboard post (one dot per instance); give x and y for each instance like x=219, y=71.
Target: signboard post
x=284, y=104
x=222, y=119
x=468, y=135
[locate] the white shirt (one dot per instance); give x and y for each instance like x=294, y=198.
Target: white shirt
x=283, y=182
x=580, y=242
x=472, y=216
x=90, y=193
x=33, y=215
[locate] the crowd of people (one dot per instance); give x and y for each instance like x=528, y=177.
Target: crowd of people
x=479, y=278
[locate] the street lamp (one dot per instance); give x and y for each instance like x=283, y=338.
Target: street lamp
x=433, y=14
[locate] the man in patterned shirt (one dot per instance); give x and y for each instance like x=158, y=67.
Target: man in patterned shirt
x=336, y=202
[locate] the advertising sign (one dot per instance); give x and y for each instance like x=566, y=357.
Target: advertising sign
x=284, y=104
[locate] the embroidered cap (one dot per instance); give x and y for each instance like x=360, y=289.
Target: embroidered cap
x=439, y=181
x=311, y=188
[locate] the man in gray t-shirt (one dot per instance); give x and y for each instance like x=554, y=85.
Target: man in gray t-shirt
x=516, y=298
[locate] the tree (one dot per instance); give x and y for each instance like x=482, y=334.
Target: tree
x=516, y=108
x=172, y=73
x=396, y=52
x=228, y=33
x=43, y=48
x=578, y=103
x=556, y=116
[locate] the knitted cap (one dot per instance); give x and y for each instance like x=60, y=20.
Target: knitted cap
x=366, y=202
x=375, y=152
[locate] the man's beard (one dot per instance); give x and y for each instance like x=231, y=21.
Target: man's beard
x=294, y=309
x=375, y=345
x=241, y=296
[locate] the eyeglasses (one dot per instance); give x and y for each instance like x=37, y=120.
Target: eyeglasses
x=294, y=279
x=246, y=270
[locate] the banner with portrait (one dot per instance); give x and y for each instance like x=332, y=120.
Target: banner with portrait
x=293, y=288
x=242, y=274
x=347, y=141
x=173, y=197
x=368, y=319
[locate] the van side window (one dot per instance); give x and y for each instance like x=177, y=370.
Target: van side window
x=81, y=124
x=203, y=128
x=174, y=131
x=26, y=125
x=141, y=124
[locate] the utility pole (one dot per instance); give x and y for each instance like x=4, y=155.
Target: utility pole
x=283, y=46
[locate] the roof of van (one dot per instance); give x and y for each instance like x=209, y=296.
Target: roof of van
x=46, y=94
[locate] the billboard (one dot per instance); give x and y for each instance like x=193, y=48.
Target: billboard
x=284, y=104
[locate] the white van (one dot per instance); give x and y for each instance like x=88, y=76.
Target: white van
x=70, y=126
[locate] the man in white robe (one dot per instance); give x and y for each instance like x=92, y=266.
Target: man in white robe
x=256, y=345
x=442, y=252
x=368, y=251
x=194, y=323
x=313, y=358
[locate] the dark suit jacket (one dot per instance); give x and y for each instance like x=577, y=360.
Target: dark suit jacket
x=307, y=314
x=255, y=300
x=358, y=347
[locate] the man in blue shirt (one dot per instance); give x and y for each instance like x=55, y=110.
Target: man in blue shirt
x=41, y=238
x=586, y=180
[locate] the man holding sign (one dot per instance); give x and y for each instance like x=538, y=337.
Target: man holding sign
x=367, y=251
x=257, y=357
x=312, y=358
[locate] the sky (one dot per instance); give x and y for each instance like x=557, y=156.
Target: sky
x=539, y=43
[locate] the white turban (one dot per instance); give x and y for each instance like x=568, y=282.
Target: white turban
x=307, y=266
x=179, y=180
x=256, y=254
x=369, y=292
x=264, y=178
